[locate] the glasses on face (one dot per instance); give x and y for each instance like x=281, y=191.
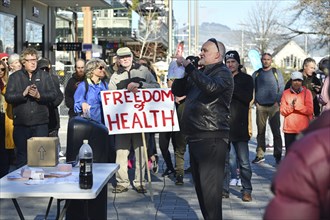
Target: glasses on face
x=3, y=69
x=213, y=40
x=31, y=60
x=101, y=67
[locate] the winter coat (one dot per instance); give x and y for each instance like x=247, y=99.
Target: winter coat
x=239, y=107
x=70, y=89
x=208, y=96
x=28, y=111
x=92, y=97
x=301, y=184
x=7, y=114
x=296, y=118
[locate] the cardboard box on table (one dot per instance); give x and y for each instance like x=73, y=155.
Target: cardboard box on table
x=42, y=151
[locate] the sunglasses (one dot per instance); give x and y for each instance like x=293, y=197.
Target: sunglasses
x=3, y=69
x=101, y=68
x=213, y=40
x=4, y=59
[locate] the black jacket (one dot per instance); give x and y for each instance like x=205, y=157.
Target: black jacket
x=54, y=117
x=209, y=93
x=70, y=89
x=27, y=110
x=239, y=107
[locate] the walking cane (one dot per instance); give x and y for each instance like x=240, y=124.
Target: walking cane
x=148, y=171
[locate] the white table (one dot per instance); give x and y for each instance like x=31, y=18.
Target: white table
x=102, y=172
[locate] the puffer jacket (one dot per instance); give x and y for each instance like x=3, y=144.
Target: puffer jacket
x=208, y=96
x=27, y=110
x=301, y=184
x=296, y=118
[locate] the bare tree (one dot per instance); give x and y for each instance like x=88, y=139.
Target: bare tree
x=149, y=28
x=311, y=17
x=262, y=25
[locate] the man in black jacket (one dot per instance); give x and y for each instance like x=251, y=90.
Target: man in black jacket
x=72, y=85
x=239, y=130
x=30, y=91
x=205, y=122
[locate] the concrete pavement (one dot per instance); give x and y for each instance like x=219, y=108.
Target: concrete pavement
x=169, y=201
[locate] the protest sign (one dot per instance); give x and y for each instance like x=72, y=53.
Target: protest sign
x=148, y=110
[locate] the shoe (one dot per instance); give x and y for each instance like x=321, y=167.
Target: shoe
x=141, y=189
x=225, y=195
x=179, y=180
x=168, y=172
x=246, y=197
x=258, y=160
x=239, y=182
x=233, y=182
x=119, y=189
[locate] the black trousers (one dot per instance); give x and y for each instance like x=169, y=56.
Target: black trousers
x=207, y=161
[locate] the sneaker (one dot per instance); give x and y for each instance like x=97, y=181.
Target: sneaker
x=233, y=182
x=246, y=197
x=168, y=172
x=239, y=182
x=258, y=160
x=141, y=189
x=179, y=180
x=225, y=195
x=119, y=189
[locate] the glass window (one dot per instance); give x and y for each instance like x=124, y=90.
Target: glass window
x=34, y=34
x=7, y=33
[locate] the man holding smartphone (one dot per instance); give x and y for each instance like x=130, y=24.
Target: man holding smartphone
x=29, y=90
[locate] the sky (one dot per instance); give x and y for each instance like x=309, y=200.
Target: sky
x=226, y=12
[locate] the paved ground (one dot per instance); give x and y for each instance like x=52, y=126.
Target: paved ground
x=169, y=201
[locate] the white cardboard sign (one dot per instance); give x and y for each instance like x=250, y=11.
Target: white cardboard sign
x=148, y=110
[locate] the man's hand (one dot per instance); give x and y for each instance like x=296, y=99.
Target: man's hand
x=33, y=92
x=179, y=99
x=133, y=87
x=26, y=91
x=182, y=61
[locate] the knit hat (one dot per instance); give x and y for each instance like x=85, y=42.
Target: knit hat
x=232, y=54
x=43, y=63
x=124, y=51
x=3, y=55
x=296, y=75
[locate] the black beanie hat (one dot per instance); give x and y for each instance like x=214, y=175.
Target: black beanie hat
x=232, y=54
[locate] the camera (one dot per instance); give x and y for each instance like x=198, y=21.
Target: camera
x=193, y=60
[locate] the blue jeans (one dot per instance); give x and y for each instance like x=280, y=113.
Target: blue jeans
x=242, y=153
x=21, y=134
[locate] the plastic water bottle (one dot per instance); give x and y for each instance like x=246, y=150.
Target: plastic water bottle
x=86, y=166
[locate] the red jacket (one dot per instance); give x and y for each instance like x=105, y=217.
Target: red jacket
x=302, y=182
x=297, y=117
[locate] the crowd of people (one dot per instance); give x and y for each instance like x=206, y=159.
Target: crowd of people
x=213, y=97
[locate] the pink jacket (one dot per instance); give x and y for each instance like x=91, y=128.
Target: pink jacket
x=301, y=184
x=297, y=117
x=324, y=96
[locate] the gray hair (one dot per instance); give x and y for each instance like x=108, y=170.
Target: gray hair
x=92, y=65
x=12, y=58
x=222, y=50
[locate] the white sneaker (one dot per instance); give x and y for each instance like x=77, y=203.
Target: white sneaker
x=233, y=182
x=239, y=183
